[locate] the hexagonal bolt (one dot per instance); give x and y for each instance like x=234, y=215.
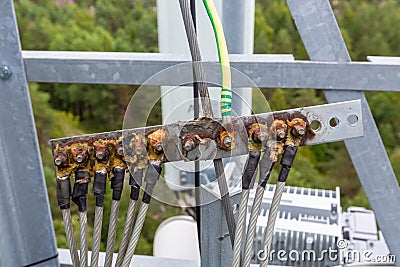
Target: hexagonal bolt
x=120, y=151
x=227, y=141
x=100, y=155
x=281, y=134
x=189, y=145
x=79, y=158
x=301, y=131
x=139, y=151
x=5, y=72
x=58, y=161
x=260, y=137
x=159, y=147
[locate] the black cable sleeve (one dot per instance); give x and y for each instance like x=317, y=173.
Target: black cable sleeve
x=283, y=174
x=135, y=181
x=99, y=187
x=250, y=168
x=79, y=193
x=136, y=178
x=287, y=162
x=288, y=156
x=264, y=179
x=147, y=193
x=117, y=182
x=152, y=174
x=266, y=166
x=135, y=190
x=63, y=193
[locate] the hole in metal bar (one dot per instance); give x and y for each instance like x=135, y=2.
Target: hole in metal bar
x=352, y=120
x=315, y=125
x=334, y=122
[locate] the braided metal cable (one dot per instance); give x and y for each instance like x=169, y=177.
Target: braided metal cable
x=112, y=232
x=130, y=218
x=198, y=69
x=136, y=234
x=237, y=248
x=273, y=212
x=83, y=238
x=98, y=223
x=251, y=229
x=69, y=232
x=207, y=110
x=226, y=200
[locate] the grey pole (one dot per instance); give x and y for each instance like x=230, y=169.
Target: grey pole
x=27, y=234
x=323, y=41
x=239, y=34
x=233, y=21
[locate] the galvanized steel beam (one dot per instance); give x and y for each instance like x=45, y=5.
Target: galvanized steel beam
x=26, y=228
x=323, y=41
x=266, y=71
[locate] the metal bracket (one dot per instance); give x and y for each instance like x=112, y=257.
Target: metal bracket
x=347, y=119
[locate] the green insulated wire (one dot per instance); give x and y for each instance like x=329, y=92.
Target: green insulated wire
x=226, y=92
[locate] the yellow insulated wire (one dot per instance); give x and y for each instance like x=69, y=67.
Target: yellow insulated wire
x=226, y=92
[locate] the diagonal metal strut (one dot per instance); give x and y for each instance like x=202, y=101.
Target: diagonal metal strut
x=323, y=41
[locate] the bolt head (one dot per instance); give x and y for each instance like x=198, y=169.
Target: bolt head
x=5, y=72
x=188, y=145
x=159, y=147
x=100, y=155
x=262, y=137
x=227, y=141
x=281, y=134
x=139, y=151
x=301, y=131
x=57, y=161
x=79, y=158
x=120, y=151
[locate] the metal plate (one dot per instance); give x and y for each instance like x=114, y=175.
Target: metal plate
x=208, y=148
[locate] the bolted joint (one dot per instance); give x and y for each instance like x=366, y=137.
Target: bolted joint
x=61, y=159
x=100, y=155
x=189, y=143
x=58, y=161
x=5, y=72
x=260, y=137
x=101, y=152
x=301, y=131
x=138, y=146
x=278, y=129
x=80, y=153
x=227, y=141
x=159, y=147
x=299, y=126
x=138, y=151
x=155, y=140
x=80, y=158
x=120, y=151
x=281, y=134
